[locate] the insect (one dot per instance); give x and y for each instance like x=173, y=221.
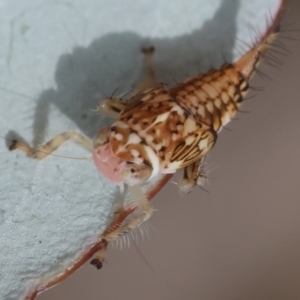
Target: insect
x=159, y=131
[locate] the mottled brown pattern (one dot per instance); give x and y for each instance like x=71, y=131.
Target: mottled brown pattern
x=179, y=125
x=212, y=98
x=159, y=131
x=157, y=120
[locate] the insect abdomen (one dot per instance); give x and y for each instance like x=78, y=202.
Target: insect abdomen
x=212, y=98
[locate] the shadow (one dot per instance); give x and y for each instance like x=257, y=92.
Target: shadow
x=113, y=64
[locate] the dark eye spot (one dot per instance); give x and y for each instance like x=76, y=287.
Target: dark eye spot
x=132, y=170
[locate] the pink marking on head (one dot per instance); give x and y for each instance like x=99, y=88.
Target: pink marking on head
x=108, y=164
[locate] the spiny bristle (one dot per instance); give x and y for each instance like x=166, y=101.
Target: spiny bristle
x=248, y=63
x=124, y=240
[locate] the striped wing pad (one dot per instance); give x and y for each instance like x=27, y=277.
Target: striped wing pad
x=155, y=130
x=213, y=98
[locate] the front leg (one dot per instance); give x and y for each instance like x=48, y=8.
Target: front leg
x=49, y=147
x=112, y=107
x=149, y=81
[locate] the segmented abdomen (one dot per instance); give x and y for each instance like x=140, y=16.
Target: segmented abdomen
x=212, y=98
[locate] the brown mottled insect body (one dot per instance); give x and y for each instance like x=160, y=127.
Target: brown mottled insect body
x=162, y=133
x=164, y=130
x=213, y=98
x=160, y=130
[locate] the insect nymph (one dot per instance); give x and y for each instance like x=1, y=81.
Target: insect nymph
x=160, y=130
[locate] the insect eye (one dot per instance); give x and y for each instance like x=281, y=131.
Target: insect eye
x=136, y=174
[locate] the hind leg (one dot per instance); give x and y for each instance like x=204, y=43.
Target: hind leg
x=140, y=211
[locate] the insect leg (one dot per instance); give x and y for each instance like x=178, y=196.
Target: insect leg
x=111, y=107
x=191, y=173
x=46, y=149
x=142, y=212
x=97, y=261
x=150, y=79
